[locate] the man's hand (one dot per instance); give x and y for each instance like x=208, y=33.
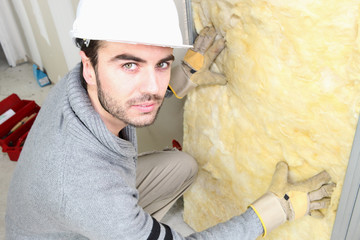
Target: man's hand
x=288, y=201
x=195, y=69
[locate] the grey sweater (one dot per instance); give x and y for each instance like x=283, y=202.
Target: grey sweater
x=76, y=180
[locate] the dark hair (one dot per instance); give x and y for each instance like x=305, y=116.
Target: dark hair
x=91, y=51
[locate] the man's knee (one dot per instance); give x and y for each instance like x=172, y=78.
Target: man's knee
x=193, y=166
x=188, y=166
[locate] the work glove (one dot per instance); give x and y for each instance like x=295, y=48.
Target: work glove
x=195, y=68
x=286, y=201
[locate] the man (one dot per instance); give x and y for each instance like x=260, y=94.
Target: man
x=79, y=176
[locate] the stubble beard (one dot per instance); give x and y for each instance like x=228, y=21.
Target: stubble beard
x=119, y=111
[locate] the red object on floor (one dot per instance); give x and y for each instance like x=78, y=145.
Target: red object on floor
x=13, y=131
x=176, y=145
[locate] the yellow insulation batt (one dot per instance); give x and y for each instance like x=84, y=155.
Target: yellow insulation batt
x=293, y=94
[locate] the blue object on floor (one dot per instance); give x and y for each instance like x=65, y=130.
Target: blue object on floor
x=41, y=77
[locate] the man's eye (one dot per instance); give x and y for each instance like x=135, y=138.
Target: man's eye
x=129, y=66
x=163, y=65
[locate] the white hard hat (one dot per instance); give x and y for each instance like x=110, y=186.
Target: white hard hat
x=151, y=22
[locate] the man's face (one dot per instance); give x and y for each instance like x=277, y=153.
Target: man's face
x=132, y=80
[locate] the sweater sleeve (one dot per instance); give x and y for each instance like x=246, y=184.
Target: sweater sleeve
x=246, y=226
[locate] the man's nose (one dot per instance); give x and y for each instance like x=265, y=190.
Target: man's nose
x=150, y=83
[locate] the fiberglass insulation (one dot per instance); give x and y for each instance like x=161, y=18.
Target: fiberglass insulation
x=293, y=94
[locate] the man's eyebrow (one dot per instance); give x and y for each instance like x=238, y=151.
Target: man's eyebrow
x=168, y=58
x=128, y=57
x=137, y=59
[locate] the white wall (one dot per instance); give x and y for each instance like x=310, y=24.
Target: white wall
x=63, y=24
x=46, y=25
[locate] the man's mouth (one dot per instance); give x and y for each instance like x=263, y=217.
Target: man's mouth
x=145, y=107
x=146, y=103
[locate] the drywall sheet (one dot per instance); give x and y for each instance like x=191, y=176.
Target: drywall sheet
x=293, y=70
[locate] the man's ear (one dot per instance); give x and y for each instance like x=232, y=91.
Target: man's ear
x=88, y=70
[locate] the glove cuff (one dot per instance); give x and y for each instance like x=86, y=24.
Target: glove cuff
x=180, y=84
x=269, y=211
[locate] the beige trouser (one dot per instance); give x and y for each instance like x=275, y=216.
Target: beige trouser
x=161, y=178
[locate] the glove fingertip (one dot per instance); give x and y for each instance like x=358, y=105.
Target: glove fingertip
x=324, y=176
x=282, y=164
x=211, y=31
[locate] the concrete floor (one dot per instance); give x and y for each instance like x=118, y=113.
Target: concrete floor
x=20, y=80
